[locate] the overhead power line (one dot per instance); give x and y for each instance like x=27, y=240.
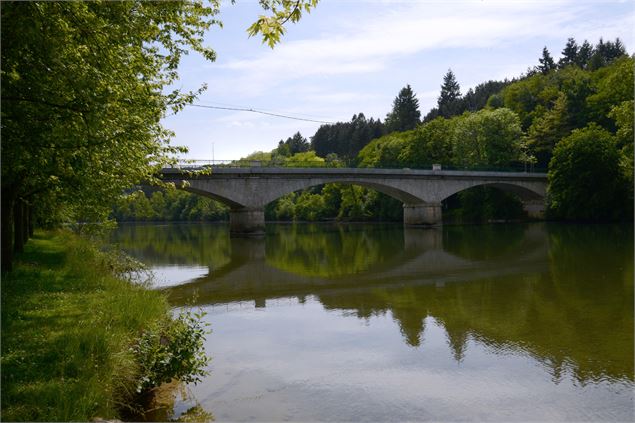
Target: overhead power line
x=244, y=109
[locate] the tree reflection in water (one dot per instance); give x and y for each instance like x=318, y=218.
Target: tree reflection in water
x=562, y=294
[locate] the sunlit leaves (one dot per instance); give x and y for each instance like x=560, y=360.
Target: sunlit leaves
x=271, y=27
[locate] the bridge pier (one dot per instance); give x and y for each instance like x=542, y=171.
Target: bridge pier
x=535, y=209
x=428, y=214
x=246, y=222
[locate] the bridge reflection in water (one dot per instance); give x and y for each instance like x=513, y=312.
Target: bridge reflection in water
x=562, y=294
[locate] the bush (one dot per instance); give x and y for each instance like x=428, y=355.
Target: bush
x=172, y=349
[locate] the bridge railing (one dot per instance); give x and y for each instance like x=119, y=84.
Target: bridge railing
x=243, y=163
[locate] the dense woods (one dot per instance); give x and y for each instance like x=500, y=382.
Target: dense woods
x=571, y=116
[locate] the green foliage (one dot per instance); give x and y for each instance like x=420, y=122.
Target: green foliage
x=429, y=143
x=295, y=144
x=309, y=207
x=84, y=88
x=547, y=130
x=569, y=54
x=405, y=111
x=258, y=156
x=622, y=114
x=172, y=349
x=346, y=139
x=271, y=27
x=585, y=181
x=384, y=151
x=67, y=326
x=83, y=95
x=613, y=84
x=482, y=204
x=529, y=98
x=487, y=138
x=546, y=62
x=169, y=205
x=448, y=102
x=306, y=159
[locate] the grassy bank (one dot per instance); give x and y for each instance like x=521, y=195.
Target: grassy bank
x=68, y=325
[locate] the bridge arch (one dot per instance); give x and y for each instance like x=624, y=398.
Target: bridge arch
x=523, y=192
x=227, y=201
x=388, y=189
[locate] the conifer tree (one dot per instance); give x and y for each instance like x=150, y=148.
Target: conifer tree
x=405, y=112
x=584, y=54
x=569, y=54
x=546, y=62
x=448, y=102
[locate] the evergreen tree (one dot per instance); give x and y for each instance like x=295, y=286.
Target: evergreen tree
x=405, y=111
x=546, y=62
x=605, y=53
x=614, y=50
x=295, y=144
x=569, y=54
x=584, y=54
x=345, y=139
x=448, y=103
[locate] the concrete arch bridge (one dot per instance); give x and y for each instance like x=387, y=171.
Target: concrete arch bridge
x=248, y=190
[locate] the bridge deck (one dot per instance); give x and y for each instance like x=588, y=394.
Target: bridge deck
x=281, y=171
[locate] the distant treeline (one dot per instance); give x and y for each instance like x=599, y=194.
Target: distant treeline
x=153, y=205
x=573, y=117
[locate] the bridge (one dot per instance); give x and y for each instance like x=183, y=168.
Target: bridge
x=248, y=190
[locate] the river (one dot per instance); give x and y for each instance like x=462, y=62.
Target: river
x=385, y=323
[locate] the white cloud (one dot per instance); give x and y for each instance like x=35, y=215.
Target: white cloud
x=370, y=46
x=354, y=56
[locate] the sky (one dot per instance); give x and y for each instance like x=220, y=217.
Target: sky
x=352, y=56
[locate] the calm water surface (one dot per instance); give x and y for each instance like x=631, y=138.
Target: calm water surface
x=382, y=323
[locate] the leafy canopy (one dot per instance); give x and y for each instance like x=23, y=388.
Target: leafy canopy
x=585, y=182
x=84, y=87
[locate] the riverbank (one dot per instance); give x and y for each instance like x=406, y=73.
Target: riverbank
x=68, y=325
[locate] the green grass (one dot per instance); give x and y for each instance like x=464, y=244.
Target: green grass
x=67, y=328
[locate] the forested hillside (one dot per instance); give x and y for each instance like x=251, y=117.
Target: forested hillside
x=572, y=117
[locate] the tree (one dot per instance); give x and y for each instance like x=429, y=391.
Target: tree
x=487, y=138
x=84, y=88
x=584, y=54
x=569, y=54
x=384, y=152
x=450, y=95
x=547, y=130
x=346, y=139
x=546, y=62
x=622, y=114
x=405, y=111
x=295, y=144
x=612, y=84
x=584, y=177
x=477, y=98
x=430, y=143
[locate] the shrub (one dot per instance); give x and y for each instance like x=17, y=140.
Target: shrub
x=172, y=349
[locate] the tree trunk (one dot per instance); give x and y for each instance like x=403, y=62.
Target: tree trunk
x=7, y=233
x=18, y=222
x=27, y=223
x=31, y=222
